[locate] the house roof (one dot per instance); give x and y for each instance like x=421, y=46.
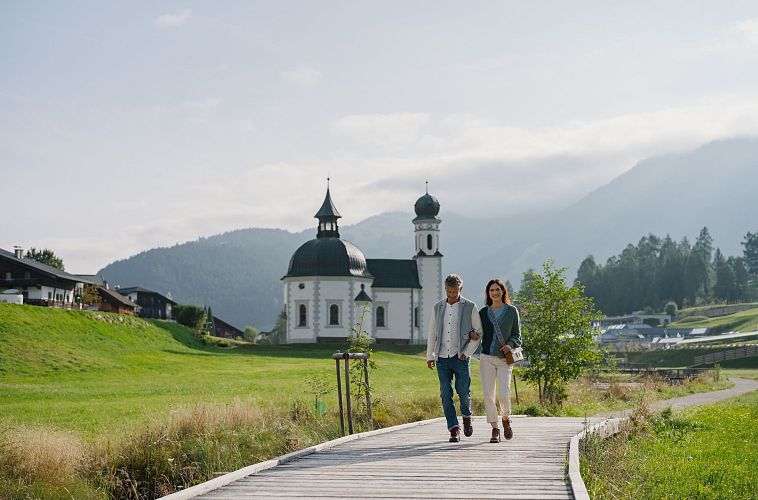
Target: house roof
x=93, y=278
x=226, y=325
x=50, y=271
x=106, y=293
x=394, y=273
x=139, y=289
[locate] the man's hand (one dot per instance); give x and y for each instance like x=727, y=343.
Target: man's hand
x=463, y=357
x=474, y=335
x=505, y=348
x=430, y=363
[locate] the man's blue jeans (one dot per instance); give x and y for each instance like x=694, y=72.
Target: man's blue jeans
x=447, y=369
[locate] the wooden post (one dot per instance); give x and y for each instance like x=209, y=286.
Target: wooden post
x=368, y=396
x=515, y=387
x=339, y=396
x=347, y=393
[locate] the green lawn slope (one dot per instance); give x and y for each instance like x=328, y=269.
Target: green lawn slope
x=743, y=321
x=96, y=372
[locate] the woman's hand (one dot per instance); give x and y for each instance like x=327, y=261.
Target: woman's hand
x=505, y=348
x=474, y=335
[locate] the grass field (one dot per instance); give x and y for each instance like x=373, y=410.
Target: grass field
x=706, y=452
x=743, y=321
x=142, y=400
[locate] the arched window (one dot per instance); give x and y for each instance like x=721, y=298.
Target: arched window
x=429, y=241
x=334, y=314
x=380, y=317
x=302, y=315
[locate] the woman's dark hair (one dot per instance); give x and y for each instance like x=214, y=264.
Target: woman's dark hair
x=506, y=294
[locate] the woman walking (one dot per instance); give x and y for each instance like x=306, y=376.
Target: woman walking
x=501, y=327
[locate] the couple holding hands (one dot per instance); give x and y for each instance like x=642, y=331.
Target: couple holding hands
x=455, y=332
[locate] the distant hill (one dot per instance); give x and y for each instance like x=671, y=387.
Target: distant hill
x=238, y=273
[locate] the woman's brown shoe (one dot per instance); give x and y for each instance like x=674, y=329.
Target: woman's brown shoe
x=507, y=431
x=495, y=435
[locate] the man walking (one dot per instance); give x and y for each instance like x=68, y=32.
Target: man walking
x=449, y=347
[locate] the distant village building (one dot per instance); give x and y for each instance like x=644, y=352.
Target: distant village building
x=152, y=304
x=330, y=285
x=37, y=283
x=226, y=330
x=112, y=301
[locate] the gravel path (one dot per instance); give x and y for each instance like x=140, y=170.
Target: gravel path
x=741, y=386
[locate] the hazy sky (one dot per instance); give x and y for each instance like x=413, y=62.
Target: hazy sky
x=130, y=125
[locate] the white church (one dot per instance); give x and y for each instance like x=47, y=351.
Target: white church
x=330, y=284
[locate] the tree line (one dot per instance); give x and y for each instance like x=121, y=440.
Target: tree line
x=658, y=271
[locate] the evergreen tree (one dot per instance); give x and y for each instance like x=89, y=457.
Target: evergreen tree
x=211, y=322
x=725, y=287
x=750, y=252
x=741, y=278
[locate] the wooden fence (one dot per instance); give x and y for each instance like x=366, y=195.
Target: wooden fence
x=716, y=357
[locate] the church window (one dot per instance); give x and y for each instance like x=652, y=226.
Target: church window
x=415, y=316
x=334, y=314
x=429, y=241
x=302, y=315
x=380, y=319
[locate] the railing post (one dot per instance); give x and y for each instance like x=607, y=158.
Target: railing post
x=515, y=387
x=339, y=395
x=368, y=396
x=347, y=393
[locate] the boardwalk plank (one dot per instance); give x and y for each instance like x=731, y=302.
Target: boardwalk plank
x=413, y=462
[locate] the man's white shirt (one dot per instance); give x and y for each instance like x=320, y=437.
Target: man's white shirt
x=449, y=331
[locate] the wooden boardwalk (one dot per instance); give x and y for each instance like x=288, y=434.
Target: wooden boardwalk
x=418, y=462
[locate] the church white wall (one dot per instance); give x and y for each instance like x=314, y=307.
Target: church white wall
x=398, y=313
x=319, y=294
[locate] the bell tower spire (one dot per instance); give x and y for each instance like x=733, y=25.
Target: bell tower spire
x=327, y=217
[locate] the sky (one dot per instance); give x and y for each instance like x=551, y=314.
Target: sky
x=126, y=126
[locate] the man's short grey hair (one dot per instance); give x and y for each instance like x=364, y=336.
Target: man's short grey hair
x=454, y=281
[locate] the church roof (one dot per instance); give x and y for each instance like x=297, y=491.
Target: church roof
x=394, y=273
x=427, y=207
x=327, y=208
x=328, y=256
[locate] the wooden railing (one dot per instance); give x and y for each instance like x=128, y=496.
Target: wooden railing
x=716, y=357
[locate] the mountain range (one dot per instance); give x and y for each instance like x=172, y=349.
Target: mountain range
x=238, y=272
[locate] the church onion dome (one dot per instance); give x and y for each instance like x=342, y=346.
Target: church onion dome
x=327, y=256
x=427, y=207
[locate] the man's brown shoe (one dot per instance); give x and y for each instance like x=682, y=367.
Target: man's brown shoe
x=468, y=430
x=495, y=435
x=507, y=431
x=455, y=434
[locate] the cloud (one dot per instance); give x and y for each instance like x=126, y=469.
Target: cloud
x=382, y=129
x=749, y=29
x=165, y=21
x=304, y=75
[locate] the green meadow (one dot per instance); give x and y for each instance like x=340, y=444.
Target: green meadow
x=96, y=372
x=96, y=405
x=707, y=452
